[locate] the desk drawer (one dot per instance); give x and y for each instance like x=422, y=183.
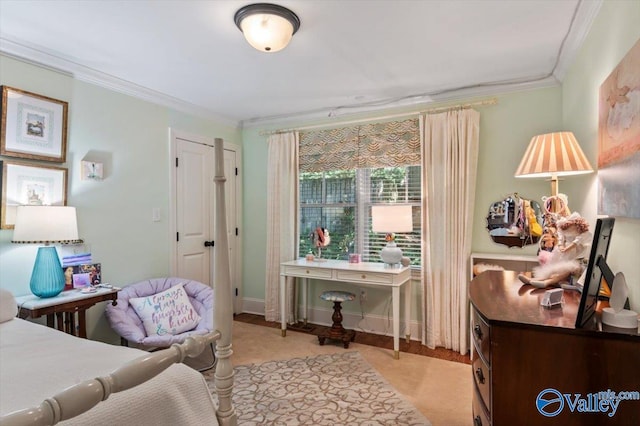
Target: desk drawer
x=364, y=276
x=307, y=272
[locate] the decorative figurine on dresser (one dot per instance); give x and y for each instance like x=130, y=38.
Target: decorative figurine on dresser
x=563, y=264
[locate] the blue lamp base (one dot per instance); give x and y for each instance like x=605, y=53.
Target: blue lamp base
x=47, y=278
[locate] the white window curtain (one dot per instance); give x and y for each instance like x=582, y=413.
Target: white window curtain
x=450, y=144
x=282, y=220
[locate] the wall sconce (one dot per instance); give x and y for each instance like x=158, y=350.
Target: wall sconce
x=267, y=27
x=90, y=170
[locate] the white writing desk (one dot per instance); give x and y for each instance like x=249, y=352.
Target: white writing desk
x=366, y=273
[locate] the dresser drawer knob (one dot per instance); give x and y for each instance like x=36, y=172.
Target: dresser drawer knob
x=307, y=271
x=364, y=277
x=477, y=421
x=477, y=331
x=480, y=375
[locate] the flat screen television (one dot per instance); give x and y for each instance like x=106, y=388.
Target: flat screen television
x=597, y=270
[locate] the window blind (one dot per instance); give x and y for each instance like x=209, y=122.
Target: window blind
x=396, y=143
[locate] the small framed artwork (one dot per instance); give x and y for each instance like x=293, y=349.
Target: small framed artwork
x=81, y=280
x=79, y=276
x=30, y=184
x=33, y=126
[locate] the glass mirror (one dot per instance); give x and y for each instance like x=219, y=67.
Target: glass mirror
x=320, y=238
x=515, y=221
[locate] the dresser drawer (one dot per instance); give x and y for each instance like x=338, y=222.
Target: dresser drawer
x=364, y=276
x=481, y=332
x=482, y=378
x=307, y=272
x=481, y=416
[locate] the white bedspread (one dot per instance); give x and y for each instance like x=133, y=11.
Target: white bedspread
x=36, y=362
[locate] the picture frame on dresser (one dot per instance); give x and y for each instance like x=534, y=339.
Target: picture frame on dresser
x=33, y=126
x=597, y=271
x=30, y=184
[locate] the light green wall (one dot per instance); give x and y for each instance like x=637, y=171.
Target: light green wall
x=505, y=131
x=131, y=136
x=615, y=30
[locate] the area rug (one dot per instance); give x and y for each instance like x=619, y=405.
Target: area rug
x=333, y=389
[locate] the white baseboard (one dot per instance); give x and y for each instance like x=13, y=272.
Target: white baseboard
x=375, y=324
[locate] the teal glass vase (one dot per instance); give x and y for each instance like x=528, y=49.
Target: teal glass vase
x=47, y=278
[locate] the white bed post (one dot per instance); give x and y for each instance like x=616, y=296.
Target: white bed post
x=223, y=312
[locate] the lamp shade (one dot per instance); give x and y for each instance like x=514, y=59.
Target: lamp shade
x=267, y=27
x=391, y=218
x=552, y=155
x=46, y=224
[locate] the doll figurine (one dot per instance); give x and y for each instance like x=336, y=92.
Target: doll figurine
x=573, y=242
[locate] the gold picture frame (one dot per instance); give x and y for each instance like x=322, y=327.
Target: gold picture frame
x=33, y=126
x=30, y=184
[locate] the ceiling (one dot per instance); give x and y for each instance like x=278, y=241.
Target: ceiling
x=348, y=56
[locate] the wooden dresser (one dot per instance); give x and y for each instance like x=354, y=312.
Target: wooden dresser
x=526, y=356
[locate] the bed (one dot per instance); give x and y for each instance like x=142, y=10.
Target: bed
x=49, y=377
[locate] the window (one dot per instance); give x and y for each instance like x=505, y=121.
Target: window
x=341, y=201
x=345, y=171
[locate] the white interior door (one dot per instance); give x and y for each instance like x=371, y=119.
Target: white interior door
x=231, y=198
x=194, y=213
x=194, y=210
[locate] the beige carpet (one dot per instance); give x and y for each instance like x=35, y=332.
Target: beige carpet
x=331, y=389
x=441, y=390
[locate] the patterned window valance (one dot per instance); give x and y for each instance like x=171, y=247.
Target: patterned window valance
x=391, y=144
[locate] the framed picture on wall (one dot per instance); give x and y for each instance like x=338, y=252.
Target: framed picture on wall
x=33, y=126
x=619, y=139
x=30, y=184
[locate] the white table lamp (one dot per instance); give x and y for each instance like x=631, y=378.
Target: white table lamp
x=46, y=225
x=389, y=219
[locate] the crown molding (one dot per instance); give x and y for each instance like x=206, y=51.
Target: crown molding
x=426, y=101
x=585, y=14
x=39, y=57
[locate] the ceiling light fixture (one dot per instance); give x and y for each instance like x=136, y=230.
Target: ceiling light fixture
x=267, y=27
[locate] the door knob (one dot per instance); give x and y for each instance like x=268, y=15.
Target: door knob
x=208, y=243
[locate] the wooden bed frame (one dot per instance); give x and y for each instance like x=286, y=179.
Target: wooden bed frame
x=80, y=398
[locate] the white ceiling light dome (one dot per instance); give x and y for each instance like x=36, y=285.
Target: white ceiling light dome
x=267, y=27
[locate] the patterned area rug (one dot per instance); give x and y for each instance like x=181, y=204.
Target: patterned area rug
x=335, y=389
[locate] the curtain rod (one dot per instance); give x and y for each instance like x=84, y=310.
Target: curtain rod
x=486, y=102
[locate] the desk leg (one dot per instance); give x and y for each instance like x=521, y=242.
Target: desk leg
x=82, y=324
x=396, y=321
x=305, y=298
x=283, y=297
x=407, y=310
